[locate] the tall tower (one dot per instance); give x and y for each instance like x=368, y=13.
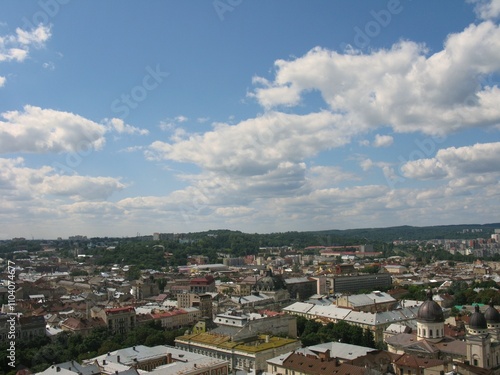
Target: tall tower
x=430, y=320
x=478, y=340
x=493, y=321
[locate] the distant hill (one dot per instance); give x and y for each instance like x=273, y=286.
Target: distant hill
x=406, y=232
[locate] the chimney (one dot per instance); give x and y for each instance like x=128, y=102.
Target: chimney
x=58, y=369
x=103, y=361
x=169, y=358
x=118, y=358
x=325, y=356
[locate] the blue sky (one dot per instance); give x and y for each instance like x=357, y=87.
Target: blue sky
x=126, y=117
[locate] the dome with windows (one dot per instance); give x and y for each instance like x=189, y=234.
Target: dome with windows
x=491, y=314
x=477, y=319
x=430, y=311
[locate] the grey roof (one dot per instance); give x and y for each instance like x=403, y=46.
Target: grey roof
x=129, y=355
x=282, y=358
x=184, y=362
x=341, y=350
x=370, y=299
x=299, y=307
x=71, y=368
x=189, y=363
x=338, y=313
x=331, y=311
x=252, y=299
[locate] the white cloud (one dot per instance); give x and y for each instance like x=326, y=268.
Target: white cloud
x=366, y=164
x=16, y=46
x=457, y=163
x=2, y=81
x=402, y=87
x=120, y=127
x=383, y=140
x=181, y=118
x=486, y=9
x=40, y=130
x=80, y=187
x=327, y=176
x=37, y=36
x=232, y=211
x=18, y=182
x=49, y=65
x=424, y=169
x=272, y=95
x=364, y=142
x=258, y=145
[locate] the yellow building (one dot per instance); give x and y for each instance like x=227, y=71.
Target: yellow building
x=250, y=355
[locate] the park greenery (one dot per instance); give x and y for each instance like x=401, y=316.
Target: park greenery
x=312, y=332
x=41, y=352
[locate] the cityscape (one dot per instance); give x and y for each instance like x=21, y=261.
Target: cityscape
x=229, y=302
x=216, y=187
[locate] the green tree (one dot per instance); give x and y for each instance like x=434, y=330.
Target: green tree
x=368, y=340
x=156, y=338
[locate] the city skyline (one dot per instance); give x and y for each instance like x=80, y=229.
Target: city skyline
x=120, y=118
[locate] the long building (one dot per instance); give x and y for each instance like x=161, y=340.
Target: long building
x=248, y=355
x=356, y=283
x=374, y=322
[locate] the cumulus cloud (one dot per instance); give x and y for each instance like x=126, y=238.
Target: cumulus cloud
x=80, y=187
x=404, y=87
x=18, y=182
x=2, y=81
x=37, y=130
x=16, y=47
x=325, y=176
x=486, y=9
x=121, y=127
x=262, y=162
x=383, y=140
x=456, y=163
x=258, y=145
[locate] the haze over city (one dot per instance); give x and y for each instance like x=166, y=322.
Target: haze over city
x=119, y=118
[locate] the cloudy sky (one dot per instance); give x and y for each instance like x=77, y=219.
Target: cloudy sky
x=127, y=117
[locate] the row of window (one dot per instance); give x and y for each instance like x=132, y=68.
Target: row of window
x=240, y=362
x=423, y=332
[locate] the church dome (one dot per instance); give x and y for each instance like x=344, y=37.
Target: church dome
x=477, y=319
x=270, y=282
x=430, y=311
x=491, y=314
